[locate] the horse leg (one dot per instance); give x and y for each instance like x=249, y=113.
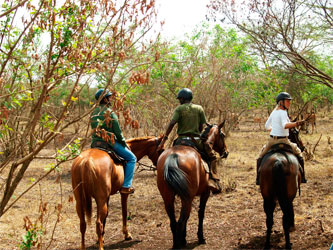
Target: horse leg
x=107, y=212
x=124, y=198
x=169, y=204
x=203, y=201
x=269, y=207
x=83, y=225
x=182, y=222
x=102, y=210
x=288, y=220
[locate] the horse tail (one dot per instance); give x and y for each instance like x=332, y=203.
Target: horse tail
x=87, y=167
x=279, y=181
x=280, y=186
x=175, y=177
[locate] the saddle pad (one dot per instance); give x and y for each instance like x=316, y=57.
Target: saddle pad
x=280, y=147
x=205, y=165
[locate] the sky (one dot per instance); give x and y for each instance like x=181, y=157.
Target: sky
x=181, y=16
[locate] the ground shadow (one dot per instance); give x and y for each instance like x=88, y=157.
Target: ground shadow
x=118, y=245
x=258, y=242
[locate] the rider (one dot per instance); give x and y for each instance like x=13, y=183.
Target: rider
x=191, y=118
x=107, y=134
x=279, y=124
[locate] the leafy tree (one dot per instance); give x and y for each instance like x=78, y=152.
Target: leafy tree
x=51, y=54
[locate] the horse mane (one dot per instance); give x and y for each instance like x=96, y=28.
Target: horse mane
x=204, y=134
x=139, y=138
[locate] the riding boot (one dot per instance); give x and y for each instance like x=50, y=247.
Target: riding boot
x=214, y=182
x=258, y=172
x=301, y=162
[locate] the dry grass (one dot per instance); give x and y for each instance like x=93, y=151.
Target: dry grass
x=234, y=220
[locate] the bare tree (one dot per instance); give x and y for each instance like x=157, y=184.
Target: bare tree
x=285, y=32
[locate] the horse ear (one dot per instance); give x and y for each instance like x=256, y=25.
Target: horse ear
x=221, y=125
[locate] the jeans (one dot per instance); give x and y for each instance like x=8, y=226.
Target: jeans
x=127, y=154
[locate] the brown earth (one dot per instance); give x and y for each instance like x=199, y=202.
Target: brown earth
x=233, y=220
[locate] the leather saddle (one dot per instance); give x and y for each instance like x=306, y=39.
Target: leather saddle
x=280, y=147
x=104, y=146
x=189, y=142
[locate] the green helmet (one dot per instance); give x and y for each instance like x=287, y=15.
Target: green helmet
x=283, y=96
x=186, y=94
x=107, y=93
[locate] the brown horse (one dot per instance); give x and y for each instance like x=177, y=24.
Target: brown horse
x=94, y=175
x=180, y=172
x=279, y=181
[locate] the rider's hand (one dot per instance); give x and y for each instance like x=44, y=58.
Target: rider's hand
x=300, y=123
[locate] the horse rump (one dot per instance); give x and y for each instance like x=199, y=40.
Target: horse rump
x=175, y=177
x=83, y=172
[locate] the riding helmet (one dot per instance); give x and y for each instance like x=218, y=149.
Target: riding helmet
x=185, y=93
x=283, y=96
x=107, y=93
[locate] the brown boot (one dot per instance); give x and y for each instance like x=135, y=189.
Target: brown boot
x=129, y=190
x=301, y=163
x=213, y=182
x=214, y=186
x=258, y=172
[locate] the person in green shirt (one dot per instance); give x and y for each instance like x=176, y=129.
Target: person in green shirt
x=107, y=134
x=190, y=119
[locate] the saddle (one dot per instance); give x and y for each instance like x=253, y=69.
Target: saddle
x=280, y=147
x=191, y=143
x=104, y=146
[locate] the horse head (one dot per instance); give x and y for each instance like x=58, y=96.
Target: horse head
x=294, y=137
x=216, y=137
x=145, y=146
x=153, y=156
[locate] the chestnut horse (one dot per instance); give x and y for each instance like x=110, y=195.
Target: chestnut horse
x=180, y=171
x=95, y=175
x=279, y=181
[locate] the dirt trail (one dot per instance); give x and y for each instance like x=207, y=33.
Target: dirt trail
x=234, y=220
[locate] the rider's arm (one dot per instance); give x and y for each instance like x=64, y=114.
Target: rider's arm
x=292, y=124
x=268, y=124
x=169, y=129
x=167, y=132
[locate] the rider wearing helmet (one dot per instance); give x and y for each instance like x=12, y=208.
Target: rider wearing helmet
x=191, y=118
x=107, y=134
x=279, y=124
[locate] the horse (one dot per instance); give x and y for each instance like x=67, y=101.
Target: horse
x=95, y=175
x=180, y=171
x=280, y=179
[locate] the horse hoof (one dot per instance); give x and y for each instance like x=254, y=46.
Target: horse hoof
x=289, y=246
x=267, y=246
x=202, y=241
x=129, y=237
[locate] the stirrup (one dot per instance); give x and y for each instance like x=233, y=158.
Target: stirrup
x=129, y=190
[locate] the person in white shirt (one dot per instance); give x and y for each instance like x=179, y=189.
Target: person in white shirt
x=278, y=123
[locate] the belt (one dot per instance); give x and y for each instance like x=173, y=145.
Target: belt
x=278, y=137
x=189, y=138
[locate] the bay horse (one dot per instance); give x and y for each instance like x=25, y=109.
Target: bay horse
x=95, y=175
x=280, y=179
x=180, y=171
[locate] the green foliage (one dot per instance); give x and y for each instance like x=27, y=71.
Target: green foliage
x=70, y=152
x=30, y=239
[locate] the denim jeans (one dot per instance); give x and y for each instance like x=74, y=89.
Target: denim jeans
x=127, y=154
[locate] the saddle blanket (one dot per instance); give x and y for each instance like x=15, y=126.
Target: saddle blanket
x=205, y=165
